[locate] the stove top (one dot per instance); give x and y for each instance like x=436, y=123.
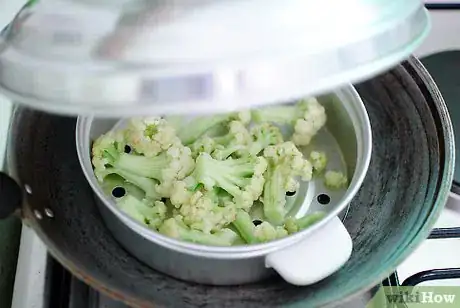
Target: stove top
x=41, y=282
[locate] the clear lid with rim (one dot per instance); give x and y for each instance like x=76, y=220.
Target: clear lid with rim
x=137, y=57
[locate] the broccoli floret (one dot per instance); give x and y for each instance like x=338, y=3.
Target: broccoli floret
x=335, y=180
x=319, y=161
x=176, y=228
x=242, y=178
x=175, y=163
x=203, y=211
x=285, y=163
x=264, y=135
x=293, y=225
x=150, y=136
x=252, y=234
x=147, y=212
x=308, y=116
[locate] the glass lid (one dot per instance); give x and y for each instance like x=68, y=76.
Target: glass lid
x=137, y=57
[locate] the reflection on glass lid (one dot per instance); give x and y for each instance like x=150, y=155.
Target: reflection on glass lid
x=132, y=57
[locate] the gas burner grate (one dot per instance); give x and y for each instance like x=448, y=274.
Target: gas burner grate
x=433, y=274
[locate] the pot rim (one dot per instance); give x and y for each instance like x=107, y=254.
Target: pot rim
x=362, y=128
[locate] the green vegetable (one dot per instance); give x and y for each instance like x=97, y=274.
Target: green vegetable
x=242, y=178
x=150, y=213
x=264, y=134
x=243, y=223
x=150, y=136
x=319, y=161
x=335, y=180
x=175, y=228
x=205, y=211
x=307, y=117
x=252, y=234
x=285, y=163
x=236, y=140
x=199, y=126
x=215, y=180
x=165, y=168
x=293, y=225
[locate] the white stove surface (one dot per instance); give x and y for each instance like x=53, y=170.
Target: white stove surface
x=431, y=254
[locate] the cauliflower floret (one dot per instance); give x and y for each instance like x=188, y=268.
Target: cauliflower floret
x=237, y=133
x=242, y=178
x=314, y=118
x=111, y=145
x=147, y=212
x=150, y=136
x=112, y=141
x=176, y=228
x=266, y=232
x=252, y=234
x=293, y=225
x=335, y=180
x=204, y=144
x=200, y=126
x=263, y=135
x=289, y=156
x=180, y=165
x=308, y=116
x=285, y=163
x=319, y=161
x=181, y=192
x=237, y=139
x=201, y=211
x=176, y=163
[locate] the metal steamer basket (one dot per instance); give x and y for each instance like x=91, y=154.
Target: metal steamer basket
x=302, y=258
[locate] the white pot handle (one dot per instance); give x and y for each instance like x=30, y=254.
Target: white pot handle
x=315, y=257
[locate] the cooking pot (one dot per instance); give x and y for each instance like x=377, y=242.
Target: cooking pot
x=302, y=258
x=402, y=195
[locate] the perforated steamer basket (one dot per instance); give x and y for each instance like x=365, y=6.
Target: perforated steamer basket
x=302, y=258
